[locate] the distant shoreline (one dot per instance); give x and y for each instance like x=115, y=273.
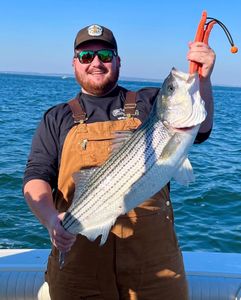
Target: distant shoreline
x=122, y=78
x=64, y=75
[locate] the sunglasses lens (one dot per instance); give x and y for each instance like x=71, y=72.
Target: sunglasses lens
x=105, y=55
x=86, y=57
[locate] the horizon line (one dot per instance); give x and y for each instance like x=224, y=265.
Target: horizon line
x=124, y=78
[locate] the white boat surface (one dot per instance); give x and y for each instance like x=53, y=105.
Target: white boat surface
x=211, y=275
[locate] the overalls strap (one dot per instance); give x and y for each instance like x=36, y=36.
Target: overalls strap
x=130, y=104
x=79, y=114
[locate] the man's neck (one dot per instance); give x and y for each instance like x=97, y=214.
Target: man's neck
x=102, y=95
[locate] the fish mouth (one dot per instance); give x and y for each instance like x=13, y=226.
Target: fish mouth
x=181, y=129
x=184, y=129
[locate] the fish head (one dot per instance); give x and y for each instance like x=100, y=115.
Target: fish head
x=180, y=105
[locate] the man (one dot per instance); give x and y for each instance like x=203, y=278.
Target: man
x=141, y=258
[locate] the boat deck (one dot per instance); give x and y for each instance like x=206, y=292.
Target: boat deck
x=211, y=276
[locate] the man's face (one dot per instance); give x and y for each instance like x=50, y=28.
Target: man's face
x=96, y=78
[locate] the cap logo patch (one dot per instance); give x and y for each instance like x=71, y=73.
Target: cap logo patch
x=95, y=30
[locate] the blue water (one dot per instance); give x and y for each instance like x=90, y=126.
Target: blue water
x=207, y=213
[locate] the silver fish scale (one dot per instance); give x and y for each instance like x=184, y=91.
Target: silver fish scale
x=110, y=166
x=111, y=201
x=121, y=173
x=131, y=162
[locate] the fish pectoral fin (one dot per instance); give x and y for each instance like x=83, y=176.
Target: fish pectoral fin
x=82, y=178
x=184, y=174
x=120, y=138
x=94, y=232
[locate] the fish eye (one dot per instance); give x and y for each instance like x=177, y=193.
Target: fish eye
x=170, y=88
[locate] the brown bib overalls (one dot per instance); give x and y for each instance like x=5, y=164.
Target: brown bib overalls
x=141, y=258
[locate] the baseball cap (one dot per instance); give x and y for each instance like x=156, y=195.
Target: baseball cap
x=95, y=32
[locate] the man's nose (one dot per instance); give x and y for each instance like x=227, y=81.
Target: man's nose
x=96, y=61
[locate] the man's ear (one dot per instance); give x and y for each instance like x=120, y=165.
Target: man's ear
x=73, y=62
x=119, y=60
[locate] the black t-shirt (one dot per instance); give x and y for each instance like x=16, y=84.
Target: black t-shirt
x=44, y=159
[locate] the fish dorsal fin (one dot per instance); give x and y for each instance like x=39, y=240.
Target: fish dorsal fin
x=120, y=138
x=184, y=174
x=82, y=178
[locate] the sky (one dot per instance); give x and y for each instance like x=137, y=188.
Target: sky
x=152, y=35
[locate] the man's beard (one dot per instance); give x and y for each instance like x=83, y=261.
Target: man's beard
x=98, y=89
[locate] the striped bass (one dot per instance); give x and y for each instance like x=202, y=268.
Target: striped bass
x=144, y=164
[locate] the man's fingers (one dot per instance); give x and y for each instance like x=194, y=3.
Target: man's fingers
x=62, y=243
x=61, y=239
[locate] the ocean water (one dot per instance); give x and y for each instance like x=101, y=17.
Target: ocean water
x=207, y=213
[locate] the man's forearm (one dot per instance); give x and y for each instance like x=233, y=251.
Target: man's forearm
x=38, y=195
x=207, y=96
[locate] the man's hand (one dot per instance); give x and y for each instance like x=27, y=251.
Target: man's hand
x=201, y=53
x=38, y=195
x=61, y=239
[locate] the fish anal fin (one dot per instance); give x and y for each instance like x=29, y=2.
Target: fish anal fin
x=94, y=232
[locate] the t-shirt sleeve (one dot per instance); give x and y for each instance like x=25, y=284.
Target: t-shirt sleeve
x=43, y=159
x=145, y=99
x=202, y=137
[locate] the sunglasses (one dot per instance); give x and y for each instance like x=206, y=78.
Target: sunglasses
x=87, y=56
